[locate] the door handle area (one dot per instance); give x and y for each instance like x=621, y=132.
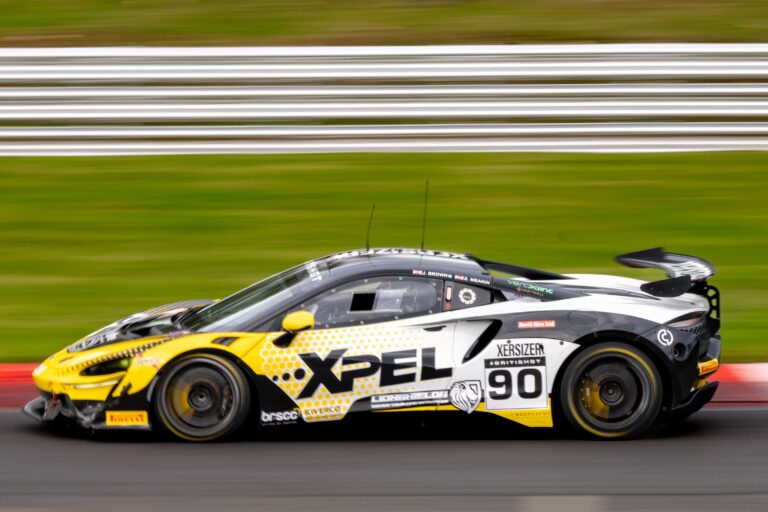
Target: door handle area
x=435, y=328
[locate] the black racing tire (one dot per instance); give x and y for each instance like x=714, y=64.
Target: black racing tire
x=202, y=397
x=611, y=390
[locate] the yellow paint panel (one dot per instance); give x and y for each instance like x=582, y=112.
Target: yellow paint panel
x=526, y=417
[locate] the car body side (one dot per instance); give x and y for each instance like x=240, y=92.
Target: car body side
x=325, y=374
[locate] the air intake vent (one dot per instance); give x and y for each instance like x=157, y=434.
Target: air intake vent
x=226, y=341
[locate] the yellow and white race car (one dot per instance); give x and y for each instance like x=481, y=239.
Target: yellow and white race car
x=377, y=330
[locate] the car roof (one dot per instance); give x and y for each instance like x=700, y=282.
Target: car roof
x=423, y=262
x=400, y=260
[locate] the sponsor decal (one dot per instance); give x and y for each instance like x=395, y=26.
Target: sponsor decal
x=531, y=288
x=517, y=377
x=665, y=337
x=313, y=412
x=510, y=349
x=314, y=272
x=432, y=273
x=467, y=296
x=695, y=269
x=472, y=279
x=415, y=252
x=127, y=418
x=536, y=324
x=279, y=417
x=708, y=366
x=466, y=395
x=409, y=399
x=142, y=360
x=397, y=367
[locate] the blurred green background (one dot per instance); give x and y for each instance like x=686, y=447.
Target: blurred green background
x=307, y=22
x=85, y=241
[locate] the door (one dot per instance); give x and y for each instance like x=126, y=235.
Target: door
x=368, y=351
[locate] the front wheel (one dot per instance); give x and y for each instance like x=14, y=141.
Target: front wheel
x=611, y=390
x=202, y=397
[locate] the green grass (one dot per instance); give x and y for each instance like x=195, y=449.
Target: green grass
x=261, y=22
x=84, y=241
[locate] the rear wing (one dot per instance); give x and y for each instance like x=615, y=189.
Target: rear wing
x=675, y=265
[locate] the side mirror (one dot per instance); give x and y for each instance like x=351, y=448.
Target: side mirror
x=293, y=323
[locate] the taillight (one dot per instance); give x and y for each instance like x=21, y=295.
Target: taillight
x=687, y=321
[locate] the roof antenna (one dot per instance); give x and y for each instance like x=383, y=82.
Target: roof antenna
x=368, y=233
x=424, y=219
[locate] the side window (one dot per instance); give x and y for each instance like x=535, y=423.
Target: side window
x=461, y=296
x=373, y=300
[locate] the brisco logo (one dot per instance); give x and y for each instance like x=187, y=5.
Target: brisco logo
x=279, y=416
x=392, y=367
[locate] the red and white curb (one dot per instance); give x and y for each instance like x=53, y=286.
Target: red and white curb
x=740, y=385
x=16, y=386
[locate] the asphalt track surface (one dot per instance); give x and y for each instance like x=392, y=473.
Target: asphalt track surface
x=716, y=460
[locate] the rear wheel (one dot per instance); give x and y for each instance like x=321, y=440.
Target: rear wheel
x=611, y=390
x=202, y=397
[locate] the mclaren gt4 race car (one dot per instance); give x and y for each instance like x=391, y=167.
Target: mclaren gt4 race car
x=403, y=330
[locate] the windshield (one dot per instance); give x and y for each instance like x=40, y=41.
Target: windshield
x=247, y=308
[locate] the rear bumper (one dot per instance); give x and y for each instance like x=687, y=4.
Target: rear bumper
x=695, y=401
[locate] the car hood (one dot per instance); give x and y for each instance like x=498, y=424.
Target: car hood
x=152, y=322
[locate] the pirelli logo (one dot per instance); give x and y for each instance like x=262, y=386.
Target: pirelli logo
x=127, y=418
x=708, y=367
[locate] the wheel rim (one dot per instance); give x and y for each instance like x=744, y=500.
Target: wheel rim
x=200, y=398
x=613, y=392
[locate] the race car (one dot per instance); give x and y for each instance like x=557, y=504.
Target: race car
x=400, y=330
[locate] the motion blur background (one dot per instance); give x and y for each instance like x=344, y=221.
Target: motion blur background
x=87, y=240
x=377, y=22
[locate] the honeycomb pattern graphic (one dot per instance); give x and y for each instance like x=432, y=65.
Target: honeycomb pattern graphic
x=288, y=371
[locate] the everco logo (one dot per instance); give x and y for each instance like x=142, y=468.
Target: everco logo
x=279, y=416
x=321, y=411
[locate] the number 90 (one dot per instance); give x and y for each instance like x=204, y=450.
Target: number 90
x=501, y=383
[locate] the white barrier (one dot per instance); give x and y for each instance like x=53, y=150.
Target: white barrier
x=626, y=97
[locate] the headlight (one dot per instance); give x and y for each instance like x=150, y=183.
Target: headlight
x=107, y=367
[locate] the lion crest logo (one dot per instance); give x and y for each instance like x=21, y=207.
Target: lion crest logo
x=465, y=395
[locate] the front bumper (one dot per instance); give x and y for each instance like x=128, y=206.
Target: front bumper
x=129, y=412
x=35, y=409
